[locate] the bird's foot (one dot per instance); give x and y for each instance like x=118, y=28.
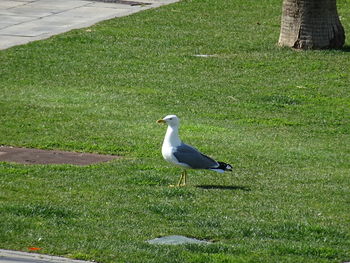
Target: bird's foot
x=177, y=185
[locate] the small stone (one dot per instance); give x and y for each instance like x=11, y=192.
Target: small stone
x=204, y=55
x=176, y=240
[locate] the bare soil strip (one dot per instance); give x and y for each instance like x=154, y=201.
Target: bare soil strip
x=36, y=156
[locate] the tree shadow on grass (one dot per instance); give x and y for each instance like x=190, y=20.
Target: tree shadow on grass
x=224, y=187
x=345, y=48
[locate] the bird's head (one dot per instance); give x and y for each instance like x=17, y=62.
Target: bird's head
x=171, y=120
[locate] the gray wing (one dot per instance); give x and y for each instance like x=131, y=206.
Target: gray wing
x=192, y=157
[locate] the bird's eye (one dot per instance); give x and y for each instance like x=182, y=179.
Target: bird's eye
x=170, y=118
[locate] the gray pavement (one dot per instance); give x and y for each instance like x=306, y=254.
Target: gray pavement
x=23, y=21
x=9, y=256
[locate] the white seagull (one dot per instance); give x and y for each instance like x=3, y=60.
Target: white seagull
x=176, y=152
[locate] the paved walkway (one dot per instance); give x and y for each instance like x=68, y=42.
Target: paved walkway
x=23, y=21
x=9, y=256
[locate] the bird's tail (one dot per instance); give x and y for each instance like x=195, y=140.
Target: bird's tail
x=222, y=167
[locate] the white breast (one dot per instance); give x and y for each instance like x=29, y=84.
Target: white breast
x=167, y=152
x=171, y=142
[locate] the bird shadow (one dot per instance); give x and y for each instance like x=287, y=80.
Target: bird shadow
x=223, y=187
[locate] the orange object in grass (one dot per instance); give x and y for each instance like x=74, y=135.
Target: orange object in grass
x=34, y=248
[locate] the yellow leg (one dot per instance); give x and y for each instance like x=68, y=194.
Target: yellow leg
x=183, y=179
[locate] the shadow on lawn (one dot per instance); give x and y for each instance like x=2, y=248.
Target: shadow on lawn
x=224, y=187
x=345, y=48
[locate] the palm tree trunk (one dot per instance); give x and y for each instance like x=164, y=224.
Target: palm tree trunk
x=311, y=24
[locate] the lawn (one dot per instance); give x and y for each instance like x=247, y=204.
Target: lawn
x=279, y=116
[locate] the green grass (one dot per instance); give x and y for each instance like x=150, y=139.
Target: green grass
x=280, y=117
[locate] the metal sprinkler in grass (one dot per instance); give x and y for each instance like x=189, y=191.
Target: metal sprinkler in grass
x=183, y=155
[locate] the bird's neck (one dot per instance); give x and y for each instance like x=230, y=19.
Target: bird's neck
x=172, y=137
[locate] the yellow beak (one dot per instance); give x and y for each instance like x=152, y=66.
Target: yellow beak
x=161, y=121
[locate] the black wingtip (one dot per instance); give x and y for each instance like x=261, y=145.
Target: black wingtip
x=225, y=166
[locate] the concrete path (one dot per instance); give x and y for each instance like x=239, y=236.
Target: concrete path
x=9, y=256
x=23, y=21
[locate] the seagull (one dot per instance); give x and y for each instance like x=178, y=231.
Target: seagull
x=185, y=156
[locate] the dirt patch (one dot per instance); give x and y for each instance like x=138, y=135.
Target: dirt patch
x=36, y=156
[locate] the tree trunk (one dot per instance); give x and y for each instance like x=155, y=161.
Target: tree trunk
x=311, y=24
